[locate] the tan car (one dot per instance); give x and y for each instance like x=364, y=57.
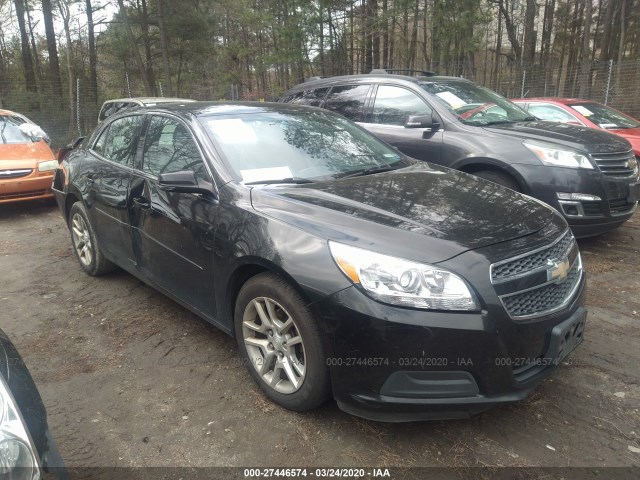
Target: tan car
x=27, y=163
x=111, y=107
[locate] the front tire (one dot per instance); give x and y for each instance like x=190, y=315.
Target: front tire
x=85, y=243
x=281, y=343
x=500, y=178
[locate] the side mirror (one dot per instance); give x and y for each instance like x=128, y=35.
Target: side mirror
x=64, y=151
x=419, y=121
x=184, y=182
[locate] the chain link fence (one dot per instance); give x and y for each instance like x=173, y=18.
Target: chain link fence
x=74, y=113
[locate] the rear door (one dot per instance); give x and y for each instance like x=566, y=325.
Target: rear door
x=107, y=174
x=173, y=232
x=392, y=106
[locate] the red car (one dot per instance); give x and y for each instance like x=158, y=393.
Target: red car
x=584, y=112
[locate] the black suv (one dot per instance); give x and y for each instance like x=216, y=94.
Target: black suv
x=590, y=176
x=406, y=290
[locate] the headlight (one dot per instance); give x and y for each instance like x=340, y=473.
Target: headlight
x=47, y=166
x=402, y=282
x=558, y=158
x=17, y=453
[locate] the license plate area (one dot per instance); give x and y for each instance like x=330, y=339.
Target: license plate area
x=566, y=336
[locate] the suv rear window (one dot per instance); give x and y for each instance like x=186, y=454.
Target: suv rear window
x=348, y=100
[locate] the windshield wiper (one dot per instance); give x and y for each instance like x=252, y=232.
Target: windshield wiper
x=292, y=180
x=369, y=171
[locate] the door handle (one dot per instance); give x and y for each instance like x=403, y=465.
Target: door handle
x=141, y=202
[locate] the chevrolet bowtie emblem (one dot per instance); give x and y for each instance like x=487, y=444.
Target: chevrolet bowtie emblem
x=558, y=270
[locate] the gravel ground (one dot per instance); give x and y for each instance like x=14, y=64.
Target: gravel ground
x=132, y=379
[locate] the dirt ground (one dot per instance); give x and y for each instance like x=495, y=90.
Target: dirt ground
x=130, y=378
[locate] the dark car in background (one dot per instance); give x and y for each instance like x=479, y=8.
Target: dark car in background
x=405, y=290
x=27, y=449
x=591, y=177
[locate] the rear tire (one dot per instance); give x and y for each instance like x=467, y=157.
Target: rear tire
x=281, y=344
x=500, y=178
x=85, y=243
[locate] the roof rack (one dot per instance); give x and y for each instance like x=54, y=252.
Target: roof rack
x=403, y=71
x=311, y=79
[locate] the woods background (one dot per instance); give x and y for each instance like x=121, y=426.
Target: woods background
x=59, y=59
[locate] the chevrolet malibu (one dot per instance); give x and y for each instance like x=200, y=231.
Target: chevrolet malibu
x=404, y=290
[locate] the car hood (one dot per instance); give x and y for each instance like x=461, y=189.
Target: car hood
x=632, y=135
x=573, y=136
x=422, y=212
x=24, y=155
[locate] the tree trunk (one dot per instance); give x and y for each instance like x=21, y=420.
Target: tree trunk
x=66, y=18
x=585, y=62
x=93, y=56
x=164, y=44
x=144, y=24
x=52, y=49
x=385, y=36
x=136, y=52
x=511, y=32
x=27, y=59
x=529, y=47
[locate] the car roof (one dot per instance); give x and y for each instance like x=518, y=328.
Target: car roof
x=147, y=100
x=383, y=77
x=213, y=108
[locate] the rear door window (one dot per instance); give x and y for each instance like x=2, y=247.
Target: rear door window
x=121, y=140
x=312, y=98
x=348, y=100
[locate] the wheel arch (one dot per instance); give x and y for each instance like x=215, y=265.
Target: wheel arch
x=248, y=268
x=473, y=165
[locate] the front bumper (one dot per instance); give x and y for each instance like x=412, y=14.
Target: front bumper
x=396, y=364
x=31, y=187
x=586, y=218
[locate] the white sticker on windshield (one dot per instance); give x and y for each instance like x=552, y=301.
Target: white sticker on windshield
x=583, y=110
x=232, y=130
x=453, y=100
x=271, y=173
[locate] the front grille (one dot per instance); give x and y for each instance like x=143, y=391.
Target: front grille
x=533, y=261
x=621, y=164
x=543, y=299
x=620, y=205
x=592, y=209
x=17, y=173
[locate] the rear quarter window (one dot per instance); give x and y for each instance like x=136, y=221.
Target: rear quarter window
x=311, y=98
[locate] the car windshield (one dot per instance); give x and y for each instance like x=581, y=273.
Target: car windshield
x=604, y=116
x=10, y=131
x=298, y=146
x=475, y=105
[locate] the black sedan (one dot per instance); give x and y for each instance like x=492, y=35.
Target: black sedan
x=27, y=449
x=405, y=290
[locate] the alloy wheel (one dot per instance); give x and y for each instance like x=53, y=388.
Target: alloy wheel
x=274, y=345
x=81, y=239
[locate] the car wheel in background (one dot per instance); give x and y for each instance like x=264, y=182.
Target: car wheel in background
x=281, y=343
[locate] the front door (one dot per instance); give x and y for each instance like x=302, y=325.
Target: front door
x=391, y=108
x=173, y=232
